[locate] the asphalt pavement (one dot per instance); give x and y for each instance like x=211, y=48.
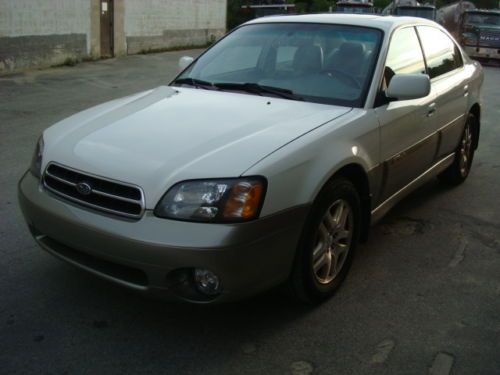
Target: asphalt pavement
x=422, y=297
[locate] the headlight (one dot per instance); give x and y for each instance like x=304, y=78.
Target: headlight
x=36, y=161
x=224, y=200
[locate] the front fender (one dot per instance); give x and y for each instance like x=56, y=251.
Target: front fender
x=297, y=172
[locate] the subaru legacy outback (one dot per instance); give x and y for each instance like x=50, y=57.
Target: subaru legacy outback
x=263, y=163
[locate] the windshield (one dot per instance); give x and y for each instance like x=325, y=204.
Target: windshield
x=482, y=19
x=416, y=12
x=319, y=63
x=354, y=9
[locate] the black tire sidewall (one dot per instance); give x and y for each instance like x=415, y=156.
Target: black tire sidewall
x=471, y=123
x=452, y=176
x=305, y=283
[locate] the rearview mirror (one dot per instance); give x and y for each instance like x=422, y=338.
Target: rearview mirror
x=408, y=86
x=185, y=61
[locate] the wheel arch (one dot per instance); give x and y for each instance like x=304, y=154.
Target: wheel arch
x=356, y=174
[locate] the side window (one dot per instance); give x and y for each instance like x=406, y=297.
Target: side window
x=404, y=55
x=441, y=53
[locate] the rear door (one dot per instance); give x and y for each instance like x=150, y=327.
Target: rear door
x=408, y=138
x=449, y=81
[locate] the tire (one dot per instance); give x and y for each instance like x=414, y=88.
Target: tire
x=327, y=243
x=458, y=172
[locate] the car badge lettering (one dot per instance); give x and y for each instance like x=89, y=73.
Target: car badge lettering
x=84, y=188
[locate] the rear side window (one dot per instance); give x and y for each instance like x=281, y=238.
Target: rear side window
x=441, y=54
x=404, y=55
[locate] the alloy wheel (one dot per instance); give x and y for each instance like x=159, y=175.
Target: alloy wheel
x=465, y=150
x=333, y=241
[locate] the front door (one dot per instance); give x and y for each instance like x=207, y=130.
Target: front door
x=107, y=28
x=408, y=138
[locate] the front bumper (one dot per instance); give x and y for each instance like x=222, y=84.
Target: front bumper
x=154, y=255
x=482, y=52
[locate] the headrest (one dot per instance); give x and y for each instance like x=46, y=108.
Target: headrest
x=308, y=58
x=352, y=49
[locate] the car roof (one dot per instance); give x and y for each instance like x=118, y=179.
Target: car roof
x=385, y=23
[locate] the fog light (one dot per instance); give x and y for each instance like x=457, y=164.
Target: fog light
x=207, y=282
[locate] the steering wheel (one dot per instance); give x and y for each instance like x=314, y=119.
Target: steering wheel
x=350, y=80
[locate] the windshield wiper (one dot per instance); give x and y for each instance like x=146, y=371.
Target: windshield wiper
x=250, y=87
x=198, y=83
x=255, y=88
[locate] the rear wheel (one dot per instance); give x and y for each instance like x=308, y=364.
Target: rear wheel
x=457, y=173
x=328, y=242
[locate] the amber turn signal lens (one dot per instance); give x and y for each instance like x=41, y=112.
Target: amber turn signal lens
x=244, y=200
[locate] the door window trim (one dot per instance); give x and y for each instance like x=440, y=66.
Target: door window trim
x=377, y=102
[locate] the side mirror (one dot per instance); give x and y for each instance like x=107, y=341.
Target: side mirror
x=408, y=86
x=185, y=61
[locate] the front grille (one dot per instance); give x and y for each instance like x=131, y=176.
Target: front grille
x=102, y=194
x=489, y=38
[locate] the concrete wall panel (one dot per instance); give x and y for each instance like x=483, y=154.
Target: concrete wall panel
x=95, y=28
x=120, y=43
x=37, y=33
x=172, y=39
x=24, y=52
x=44, y=17
x=159, y=24
x=41, y=33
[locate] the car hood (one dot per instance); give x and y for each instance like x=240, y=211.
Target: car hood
x=159, y=137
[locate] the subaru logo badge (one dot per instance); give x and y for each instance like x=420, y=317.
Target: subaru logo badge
x=83, y=188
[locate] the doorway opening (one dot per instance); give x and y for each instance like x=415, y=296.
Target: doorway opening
x=107, y=35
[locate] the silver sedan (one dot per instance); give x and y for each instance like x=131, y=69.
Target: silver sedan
x=263, y=163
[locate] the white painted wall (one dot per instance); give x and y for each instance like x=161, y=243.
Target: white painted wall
x=152, y=17
x=46, y=28
x=45, y=17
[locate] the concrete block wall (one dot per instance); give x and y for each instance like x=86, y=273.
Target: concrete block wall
x=39, y=33
x=42, y=33
x=159, y=24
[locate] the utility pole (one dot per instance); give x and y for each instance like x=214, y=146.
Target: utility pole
x=394, y=5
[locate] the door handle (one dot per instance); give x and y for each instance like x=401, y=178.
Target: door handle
x=431, y=109
x=466, y=90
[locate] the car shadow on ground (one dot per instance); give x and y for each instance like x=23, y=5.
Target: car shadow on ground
x=109, y=319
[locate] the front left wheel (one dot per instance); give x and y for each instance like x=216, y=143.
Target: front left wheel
x=328, y=242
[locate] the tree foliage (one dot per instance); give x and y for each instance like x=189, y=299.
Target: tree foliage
x=235, y=16
x=313, y=6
